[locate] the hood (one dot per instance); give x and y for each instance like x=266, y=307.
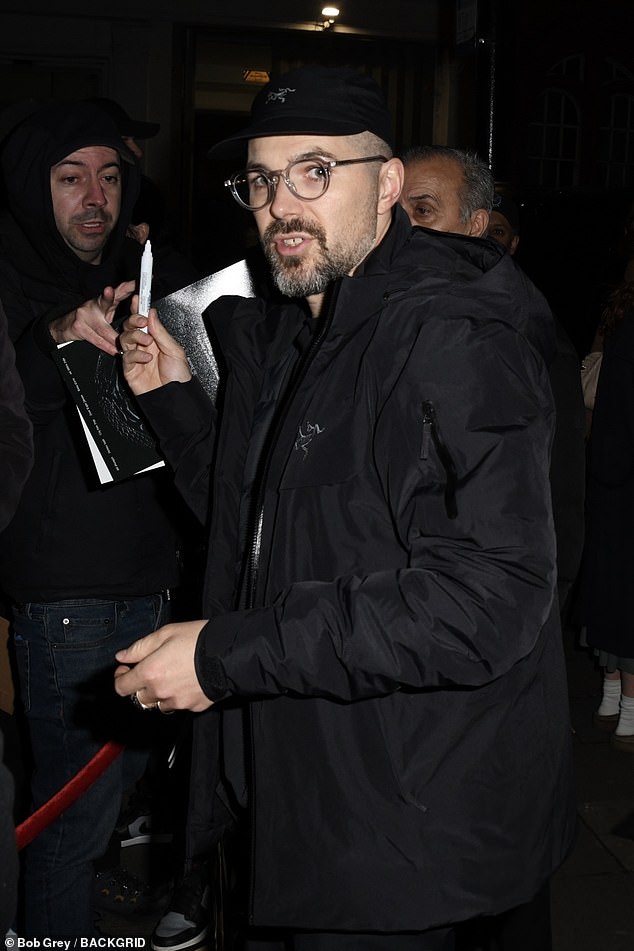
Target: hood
x=49, y=133
x=474, y=276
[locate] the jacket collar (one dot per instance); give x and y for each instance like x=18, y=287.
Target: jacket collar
x=359, y=298
x=380, y=260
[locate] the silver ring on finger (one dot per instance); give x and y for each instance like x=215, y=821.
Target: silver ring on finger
x=136, y=700
x=164, y=712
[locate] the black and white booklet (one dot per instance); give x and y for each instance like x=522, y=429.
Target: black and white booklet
x=120, y=442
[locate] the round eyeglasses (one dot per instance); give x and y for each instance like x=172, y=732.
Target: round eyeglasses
x=309, y=179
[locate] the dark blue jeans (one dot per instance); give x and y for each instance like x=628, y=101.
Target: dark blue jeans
x=65, y=657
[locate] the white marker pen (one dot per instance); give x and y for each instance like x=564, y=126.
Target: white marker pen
x=145, y=281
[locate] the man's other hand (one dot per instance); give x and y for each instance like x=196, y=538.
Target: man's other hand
x=92, y=320
x=160, y=668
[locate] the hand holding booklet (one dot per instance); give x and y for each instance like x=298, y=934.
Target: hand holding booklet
x=120, y=442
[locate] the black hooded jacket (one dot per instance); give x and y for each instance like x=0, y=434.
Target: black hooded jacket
x=380, y=589
x=70, y=537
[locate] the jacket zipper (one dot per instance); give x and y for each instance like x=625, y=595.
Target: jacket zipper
x=253, y=538
x=431, y=433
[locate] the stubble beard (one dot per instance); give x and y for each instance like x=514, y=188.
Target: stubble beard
x=89, y=247
x=304, y=276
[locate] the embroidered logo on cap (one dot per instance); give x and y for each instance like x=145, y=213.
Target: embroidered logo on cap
x=279, y=96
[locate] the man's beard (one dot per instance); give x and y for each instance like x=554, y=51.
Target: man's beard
x=300, y=277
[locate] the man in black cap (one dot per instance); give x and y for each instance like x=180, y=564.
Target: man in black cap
x=380, y=586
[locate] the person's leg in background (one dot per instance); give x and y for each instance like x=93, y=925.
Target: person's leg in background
x=204, y=894
x=65, y=658
x=623, y=736
x=608, y=712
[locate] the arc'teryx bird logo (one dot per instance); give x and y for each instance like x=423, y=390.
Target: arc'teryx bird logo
x=304, y=440
x=280, y=95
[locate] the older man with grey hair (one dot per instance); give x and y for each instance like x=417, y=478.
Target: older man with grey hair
x=447, y=190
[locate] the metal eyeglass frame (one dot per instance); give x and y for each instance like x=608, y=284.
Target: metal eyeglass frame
x=273, y=178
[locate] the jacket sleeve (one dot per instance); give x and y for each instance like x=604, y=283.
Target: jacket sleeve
x=183, y=418
x=45, y=393
x=475, y=585
x=16, y=445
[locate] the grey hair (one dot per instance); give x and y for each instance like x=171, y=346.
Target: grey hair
x=478, y=190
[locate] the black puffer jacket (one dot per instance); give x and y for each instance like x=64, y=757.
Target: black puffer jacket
x=70, y=537
x=399, y=647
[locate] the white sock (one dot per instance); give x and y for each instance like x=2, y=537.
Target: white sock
x=611, y=696
x=625, y=726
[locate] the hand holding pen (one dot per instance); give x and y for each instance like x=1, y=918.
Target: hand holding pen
x=151, y=356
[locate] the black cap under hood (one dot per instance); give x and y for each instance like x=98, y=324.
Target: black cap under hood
x=29, y=236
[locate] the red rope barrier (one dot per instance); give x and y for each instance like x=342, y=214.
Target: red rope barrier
x=68, y=794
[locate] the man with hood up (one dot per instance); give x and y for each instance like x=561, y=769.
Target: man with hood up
x=84, y=568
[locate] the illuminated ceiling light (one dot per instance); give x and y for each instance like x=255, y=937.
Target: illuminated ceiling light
x=255, y=76
x=329, y=13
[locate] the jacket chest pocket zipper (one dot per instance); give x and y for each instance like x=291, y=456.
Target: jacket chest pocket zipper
x=431, y=434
